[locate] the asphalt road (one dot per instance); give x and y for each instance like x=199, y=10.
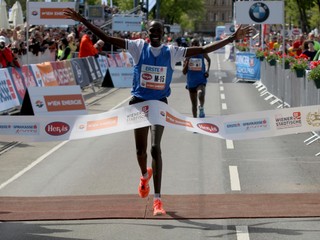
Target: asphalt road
x=193, y=164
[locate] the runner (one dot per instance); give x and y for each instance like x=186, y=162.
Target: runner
x=158, y=61
x=197, y=75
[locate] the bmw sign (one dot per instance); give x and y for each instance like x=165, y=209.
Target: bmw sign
x=259, y=12
x=266, y=12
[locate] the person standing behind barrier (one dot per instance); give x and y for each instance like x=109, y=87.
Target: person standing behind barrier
x=64, y=51
x=72, y=44
x=197, y=74
x=86, y=48
x=99, y=46
x=6, y=55
x=157, y=61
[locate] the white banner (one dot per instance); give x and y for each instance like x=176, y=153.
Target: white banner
x=131, y=23
x=235, y=126
x=49, y=13
x=121, y=76
x=265, y=12
x=58, y=100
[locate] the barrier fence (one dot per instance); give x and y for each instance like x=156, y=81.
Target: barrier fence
x=282, y=87
x=76, y=71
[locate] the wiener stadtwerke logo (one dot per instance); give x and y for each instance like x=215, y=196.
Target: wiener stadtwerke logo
x=259, y=12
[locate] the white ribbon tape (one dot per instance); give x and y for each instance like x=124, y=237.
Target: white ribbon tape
x=236, y=126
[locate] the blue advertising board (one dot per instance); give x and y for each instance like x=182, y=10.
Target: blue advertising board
x=247, y=66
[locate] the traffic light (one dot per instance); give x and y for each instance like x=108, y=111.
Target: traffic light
x=81, y=8
x=143, y=7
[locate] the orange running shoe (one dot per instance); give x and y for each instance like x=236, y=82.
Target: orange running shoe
x=144, y=187
x=157, y=208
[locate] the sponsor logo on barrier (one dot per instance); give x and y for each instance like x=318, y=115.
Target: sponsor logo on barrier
x=208, y=127
x=6, y=91
x=102, y=123
x=26, y=129
x=138, y=116
x=259, y=12
x=34, y=13
x=176, y=121
x=52, y=13
x=253, y=125
x=313, y=119
x=39, y=104
x=57, y=128
x=292, y=121
x=64, y=102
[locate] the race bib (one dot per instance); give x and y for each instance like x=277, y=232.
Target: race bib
x=195, y=64
x=153, y=77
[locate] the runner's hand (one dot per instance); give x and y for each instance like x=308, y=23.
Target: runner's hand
x=71, y=14
x=243, y=32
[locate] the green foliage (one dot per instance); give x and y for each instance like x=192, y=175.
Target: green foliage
x=272, y=56
x=299, y=64
x=314, y=74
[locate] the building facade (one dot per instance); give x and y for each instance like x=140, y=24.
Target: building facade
x=218, y=12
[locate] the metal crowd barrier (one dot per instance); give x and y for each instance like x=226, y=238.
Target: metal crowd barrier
x=282, y=86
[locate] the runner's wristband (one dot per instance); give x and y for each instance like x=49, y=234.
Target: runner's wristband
x=231, y=39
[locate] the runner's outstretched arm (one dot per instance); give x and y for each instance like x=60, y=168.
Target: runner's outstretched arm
x=71, y=14
x=241, y=33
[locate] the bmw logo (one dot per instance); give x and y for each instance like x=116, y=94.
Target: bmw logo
x=231, y=28
x=259, y=12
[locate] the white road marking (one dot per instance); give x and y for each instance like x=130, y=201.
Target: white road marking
x=229, y=144
x=234, y=178
x=242, y=233
x=224, y=106
x=222, y=96
x=40, y=159
x=44, y=156
x=221, y=88
x=220, y=82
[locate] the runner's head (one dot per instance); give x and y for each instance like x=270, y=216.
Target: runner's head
x=156, y=32
x=195, y=42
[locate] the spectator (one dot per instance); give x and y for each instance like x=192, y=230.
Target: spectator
x=86, y=48
x=72, y=44
x=298, y=45
x=316, y=44
x=308, y=49
x=64, y=51
x=99, y=46
x=6, y=56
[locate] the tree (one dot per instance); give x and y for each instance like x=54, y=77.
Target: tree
x=307, y=16
x=181, y=12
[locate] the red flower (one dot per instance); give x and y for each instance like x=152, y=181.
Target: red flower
x=314, y=64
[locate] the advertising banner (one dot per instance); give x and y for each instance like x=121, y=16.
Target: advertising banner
x=247, y=66
x=60, y=100
x=63, y=73
x=48, y=13
x=36, y=73
x=47, y=75
x=8, y=95
x=18, y=82
x=80, y=74
x=29, y=79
